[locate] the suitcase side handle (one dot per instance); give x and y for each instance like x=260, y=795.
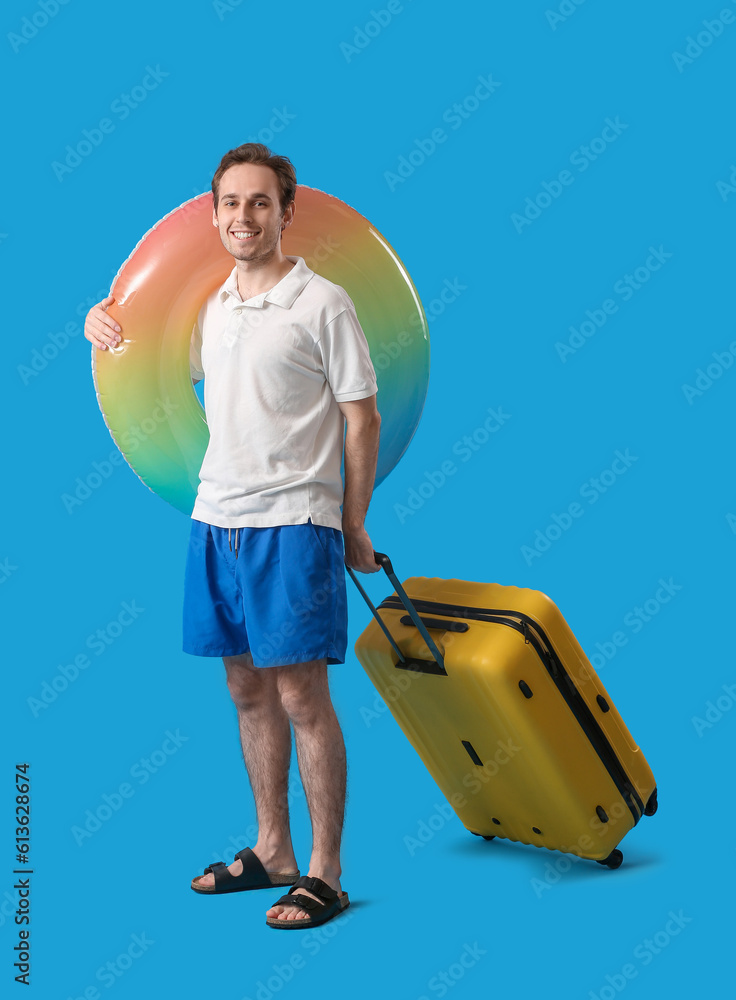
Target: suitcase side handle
x=441, y=623
x=383, y=560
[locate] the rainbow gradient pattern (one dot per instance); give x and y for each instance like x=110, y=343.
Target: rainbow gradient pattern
x=144, y=387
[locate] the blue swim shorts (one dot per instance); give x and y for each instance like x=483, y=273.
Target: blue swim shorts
x=280, y=594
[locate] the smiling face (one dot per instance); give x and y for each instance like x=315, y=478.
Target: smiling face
x=248, y=213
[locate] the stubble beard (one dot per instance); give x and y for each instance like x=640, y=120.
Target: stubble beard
x=240, y=252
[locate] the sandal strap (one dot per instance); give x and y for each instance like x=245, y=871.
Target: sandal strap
x=315, y=885
x=285, y=900
x=213, y=866
x=253, y=873
x=306, y=902
x=252, y=864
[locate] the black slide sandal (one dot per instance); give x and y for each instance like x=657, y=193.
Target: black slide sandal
x=330, y=905
x=253, y=876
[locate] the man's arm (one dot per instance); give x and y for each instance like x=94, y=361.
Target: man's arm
x=363, y=424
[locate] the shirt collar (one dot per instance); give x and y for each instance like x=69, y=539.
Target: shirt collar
x=283, y=294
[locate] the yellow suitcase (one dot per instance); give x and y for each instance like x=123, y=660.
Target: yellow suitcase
x=497, y=697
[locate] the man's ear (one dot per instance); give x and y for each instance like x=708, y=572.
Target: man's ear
x=288, y=216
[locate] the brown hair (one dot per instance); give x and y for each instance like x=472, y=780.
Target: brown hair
x=256, y=152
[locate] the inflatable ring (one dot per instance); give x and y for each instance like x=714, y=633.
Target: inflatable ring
x=144, y=387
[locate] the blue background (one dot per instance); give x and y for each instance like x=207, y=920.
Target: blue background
x=67, y=572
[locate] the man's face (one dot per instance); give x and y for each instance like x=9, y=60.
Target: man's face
x=248, y=214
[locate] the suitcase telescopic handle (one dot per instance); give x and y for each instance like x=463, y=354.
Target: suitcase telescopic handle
x=385, y=563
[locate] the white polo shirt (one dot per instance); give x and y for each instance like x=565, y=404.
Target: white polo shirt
x=275, y=367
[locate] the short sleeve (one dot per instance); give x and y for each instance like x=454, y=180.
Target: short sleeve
x=346, y=359
x=195, y=354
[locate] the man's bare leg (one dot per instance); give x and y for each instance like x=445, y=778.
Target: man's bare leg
x=305, y=698
x=265, y=737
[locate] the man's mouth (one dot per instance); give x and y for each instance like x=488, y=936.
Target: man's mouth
x=242, y=234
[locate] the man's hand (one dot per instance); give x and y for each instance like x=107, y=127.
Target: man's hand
x=101, y=329
x=359, y=551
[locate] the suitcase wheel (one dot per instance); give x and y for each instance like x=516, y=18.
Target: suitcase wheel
x=651, y=807
x=488, y=838
x=483, y=835
x=614, y=859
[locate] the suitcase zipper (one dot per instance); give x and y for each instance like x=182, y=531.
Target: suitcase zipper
x=536, y=636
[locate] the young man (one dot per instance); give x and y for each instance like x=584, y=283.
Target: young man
x=287, y=374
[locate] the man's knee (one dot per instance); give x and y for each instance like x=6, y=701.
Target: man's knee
x=249, y=686
x=303, y=690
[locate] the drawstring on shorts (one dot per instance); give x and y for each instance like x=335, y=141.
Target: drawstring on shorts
x=229, y=540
